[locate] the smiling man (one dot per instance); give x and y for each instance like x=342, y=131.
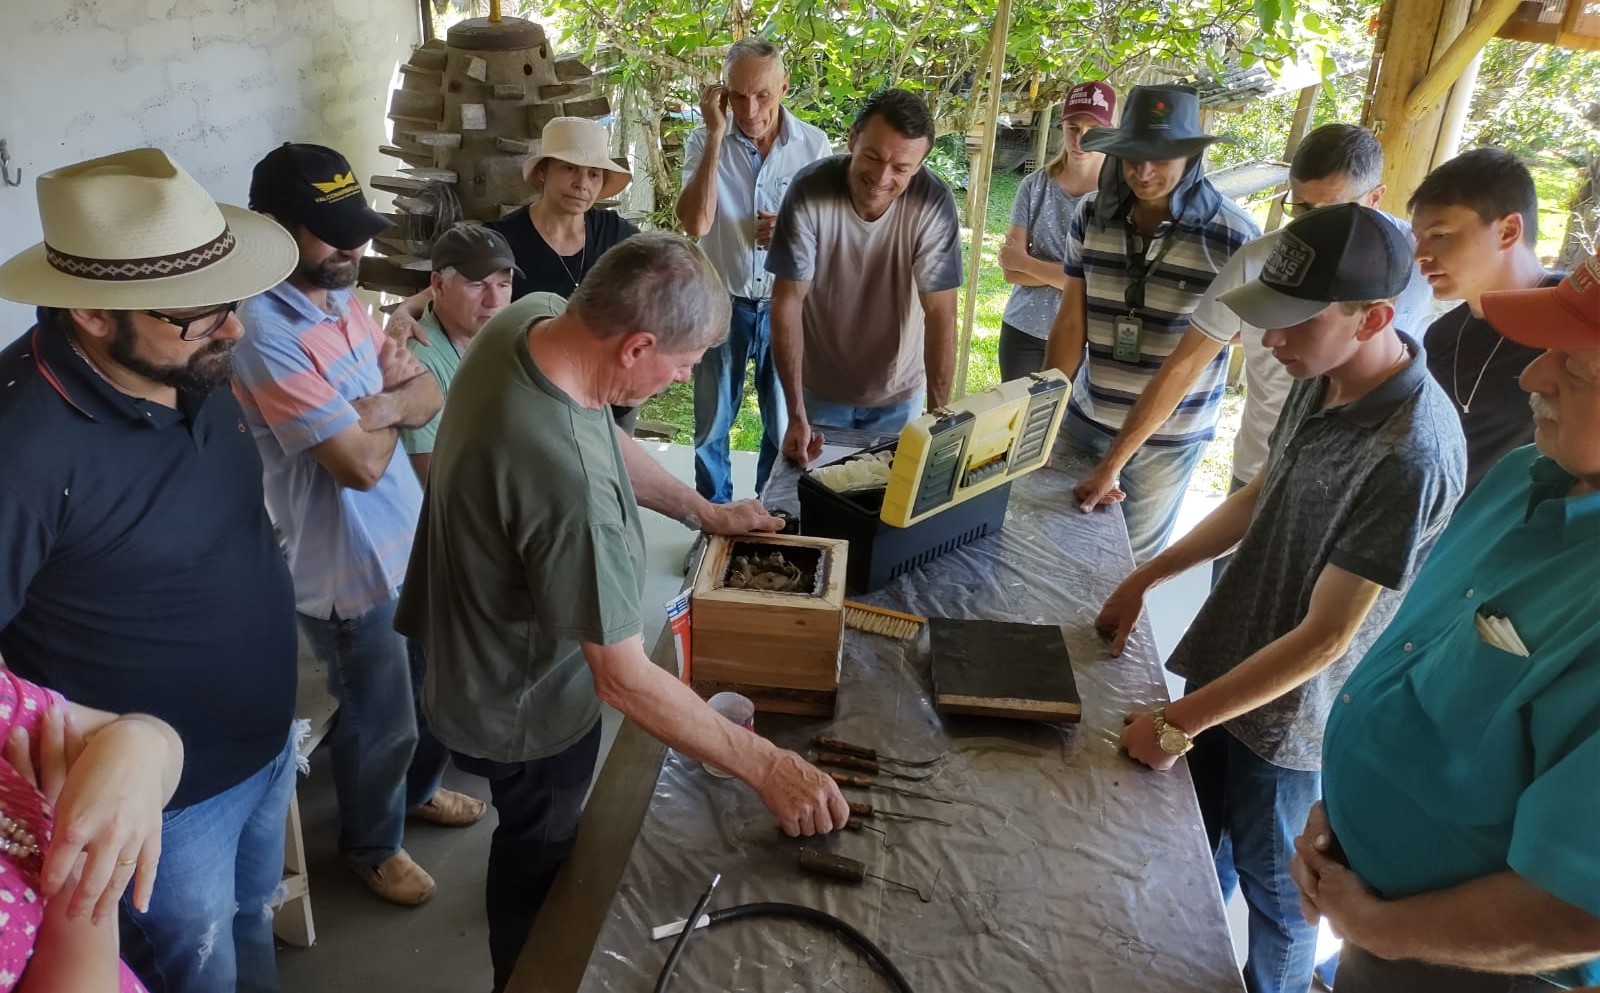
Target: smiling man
x=734, y=178
x=1476, y=220
x=1457, y=852
x=867, y=255
x=1366, y=464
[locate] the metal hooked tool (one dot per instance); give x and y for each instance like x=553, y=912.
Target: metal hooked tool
x=863, y=783
x=873, y=766
x=854, y=871
x=866, y=811
x=862, y=751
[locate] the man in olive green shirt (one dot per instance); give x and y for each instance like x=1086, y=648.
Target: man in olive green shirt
x=471, y=282
x=527, y=572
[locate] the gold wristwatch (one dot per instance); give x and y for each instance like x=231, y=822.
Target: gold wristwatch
x=1173, y=740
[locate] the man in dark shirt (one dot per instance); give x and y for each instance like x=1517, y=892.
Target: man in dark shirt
x=141, y=572
x=1364, y=468
x=1476, y=219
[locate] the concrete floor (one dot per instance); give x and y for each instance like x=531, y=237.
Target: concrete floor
x=366, y=944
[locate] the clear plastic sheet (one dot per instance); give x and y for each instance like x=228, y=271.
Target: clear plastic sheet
x=1067, y=867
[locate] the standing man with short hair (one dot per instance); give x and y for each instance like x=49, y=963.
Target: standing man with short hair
x=471, y=282
x=142, y=574
x=1477, y=220
x=1457, y=852
x=326, y=394
x=730, y=202
x=1366, y=464
x=867, y=255
x=1140, y=255
x=528, y=570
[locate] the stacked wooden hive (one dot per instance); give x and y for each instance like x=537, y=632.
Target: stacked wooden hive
x=468, y=113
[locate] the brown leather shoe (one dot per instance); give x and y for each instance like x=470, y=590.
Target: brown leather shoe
x=398, y=880
x=448, y=808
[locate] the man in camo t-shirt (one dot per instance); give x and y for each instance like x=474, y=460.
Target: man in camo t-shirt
x=1366, y=464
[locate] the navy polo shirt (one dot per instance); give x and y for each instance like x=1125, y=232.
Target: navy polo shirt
x=138, y=569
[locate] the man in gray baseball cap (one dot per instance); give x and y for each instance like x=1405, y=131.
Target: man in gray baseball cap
x=472, y=269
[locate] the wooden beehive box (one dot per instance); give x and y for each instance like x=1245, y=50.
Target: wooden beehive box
x=779, y=649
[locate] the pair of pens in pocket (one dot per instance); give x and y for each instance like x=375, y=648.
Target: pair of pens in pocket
x=1496, y=628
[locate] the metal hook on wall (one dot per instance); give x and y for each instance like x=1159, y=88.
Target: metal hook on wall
x=5, y=167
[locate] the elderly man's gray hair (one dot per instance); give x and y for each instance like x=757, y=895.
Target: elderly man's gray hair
x=658, y=282
x=752, y=47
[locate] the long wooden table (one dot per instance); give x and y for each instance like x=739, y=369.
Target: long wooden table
x=1065, y=865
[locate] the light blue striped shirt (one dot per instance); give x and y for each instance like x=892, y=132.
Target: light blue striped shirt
x=297, y=371
x=1105, y=389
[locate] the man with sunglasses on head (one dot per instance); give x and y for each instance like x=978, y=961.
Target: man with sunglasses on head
x=1336, y=163
x=326, y=395
x=141, y=574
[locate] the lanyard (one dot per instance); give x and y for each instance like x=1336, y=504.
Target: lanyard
x=1139, y=267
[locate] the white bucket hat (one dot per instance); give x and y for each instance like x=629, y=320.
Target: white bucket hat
x=581, y=142
x=133, y=231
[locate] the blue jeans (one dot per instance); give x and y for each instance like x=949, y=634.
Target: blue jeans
x=210, y=922
x=539, y=803
x=719, y=393
x=1154, y=480
x=379, y=772
x=1253, y=810
x=887, y=419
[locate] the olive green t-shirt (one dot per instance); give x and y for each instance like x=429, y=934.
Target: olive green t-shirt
x=529, y=544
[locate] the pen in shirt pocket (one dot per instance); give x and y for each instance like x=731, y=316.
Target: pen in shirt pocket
x=1496, y=628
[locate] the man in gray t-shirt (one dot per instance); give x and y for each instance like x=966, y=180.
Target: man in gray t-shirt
x=1366, y=464
x=867, y=255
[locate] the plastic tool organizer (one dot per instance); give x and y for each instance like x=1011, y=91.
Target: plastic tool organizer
x=950, y=481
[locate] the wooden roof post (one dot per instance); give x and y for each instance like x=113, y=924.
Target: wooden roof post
x=979, y=201
x=1420, y=32
x=1297, y=134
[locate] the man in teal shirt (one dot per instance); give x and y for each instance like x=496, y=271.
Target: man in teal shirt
x=1461, y=766
x=472, y=270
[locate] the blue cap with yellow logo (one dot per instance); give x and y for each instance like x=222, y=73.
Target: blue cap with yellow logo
x=316, y=187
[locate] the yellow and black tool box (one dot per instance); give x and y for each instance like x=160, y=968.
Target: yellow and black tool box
x=948, y=480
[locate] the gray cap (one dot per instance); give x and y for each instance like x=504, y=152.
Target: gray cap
x=474, y=251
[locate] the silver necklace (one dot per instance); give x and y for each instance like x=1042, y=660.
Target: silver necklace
x=16, y=840
x=1455, y=365
x=583, y=253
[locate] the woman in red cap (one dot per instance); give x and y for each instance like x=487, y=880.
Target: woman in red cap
x=1040, y=215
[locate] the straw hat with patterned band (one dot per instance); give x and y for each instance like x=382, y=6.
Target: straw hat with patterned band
x=133, y=231
x=581, y=142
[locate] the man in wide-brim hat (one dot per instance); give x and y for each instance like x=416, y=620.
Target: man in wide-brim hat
x=1157, y=233
x=142, y=571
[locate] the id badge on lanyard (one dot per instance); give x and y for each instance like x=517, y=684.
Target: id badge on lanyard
x=1126, y=346
x=1129, y=329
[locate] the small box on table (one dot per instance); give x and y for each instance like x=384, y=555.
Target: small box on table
x=768, y=620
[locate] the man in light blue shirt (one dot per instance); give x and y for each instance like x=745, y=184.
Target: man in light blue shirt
x=730, y=200
x=1461, y=760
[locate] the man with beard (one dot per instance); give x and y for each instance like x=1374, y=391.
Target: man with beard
x=326, y=395
x=141, y=574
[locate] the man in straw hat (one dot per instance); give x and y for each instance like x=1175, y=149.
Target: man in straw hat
x=867, y=258
x=1141, y=252
x=734, y=178
x=1319, y=568
x=142, y=574
x=1455, y=846
x=326, y=395
x=526, y=578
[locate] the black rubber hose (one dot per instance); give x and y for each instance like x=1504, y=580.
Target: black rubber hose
x=826, y=920
x=683, y=936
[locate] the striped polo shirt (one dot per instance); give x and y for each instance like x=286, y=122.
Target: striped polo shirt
x=1105, y=389
x=297, y=371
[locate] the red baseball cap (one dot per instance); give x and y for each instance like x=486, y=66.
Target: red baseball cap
x=1097, y=100
x=1564, y=316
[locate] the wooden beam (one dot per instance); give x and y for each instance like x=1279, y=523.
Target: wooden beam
x=1413, y=39
x=979, y=214
x=1297, y=133
x=1448, y=66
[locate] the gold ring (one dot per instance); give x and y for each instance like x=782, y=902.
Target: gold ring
x=127, y=861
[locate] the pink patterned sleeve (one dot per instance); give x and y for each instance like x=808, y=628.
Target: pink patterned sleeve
x=22, y=704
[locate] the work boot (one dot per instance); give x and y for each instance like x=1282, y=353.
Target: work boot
x=447, y=808
x=398, y=880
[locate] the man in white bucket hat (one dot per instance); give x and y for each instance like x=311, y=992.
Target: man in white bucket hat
x=142, y=574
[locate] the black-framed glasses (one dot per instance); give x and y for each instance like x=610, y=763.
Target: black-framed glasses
x=197, y=326
x=1296, y=208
